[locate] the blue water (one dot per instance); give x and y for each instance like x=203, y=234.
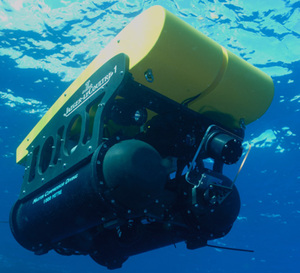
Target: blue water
x=46, y=44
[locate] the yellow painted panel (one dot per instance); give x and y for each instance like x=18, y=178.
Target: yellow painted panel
x=184, y=63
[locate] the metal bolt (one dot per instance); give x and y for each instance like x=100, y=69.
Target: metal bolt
x=149, y=75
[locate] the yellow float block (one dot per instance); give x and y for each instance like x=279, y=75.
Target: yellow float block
x=185, y=66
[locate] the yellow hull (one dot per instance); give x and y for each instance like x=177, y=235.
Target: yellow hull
x=184, y=64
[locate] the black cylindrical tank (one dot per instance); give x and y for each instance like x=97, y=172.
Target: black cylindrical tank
x=66, y=207
x=130, y=174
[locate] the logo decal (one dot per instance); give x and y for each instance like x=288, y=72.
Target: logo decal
x=89, y=90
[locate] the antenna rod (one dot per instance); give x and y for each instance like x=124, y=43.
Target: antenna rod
x=231, y=248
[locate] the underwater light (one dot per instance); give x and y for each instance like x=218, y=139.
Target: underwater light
x=104, y=168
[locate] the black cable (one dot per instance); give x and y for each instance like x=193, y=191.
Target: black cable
x=187, y=101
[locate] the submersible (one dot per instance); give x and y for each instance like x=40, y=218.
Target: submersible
x=117, y=166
